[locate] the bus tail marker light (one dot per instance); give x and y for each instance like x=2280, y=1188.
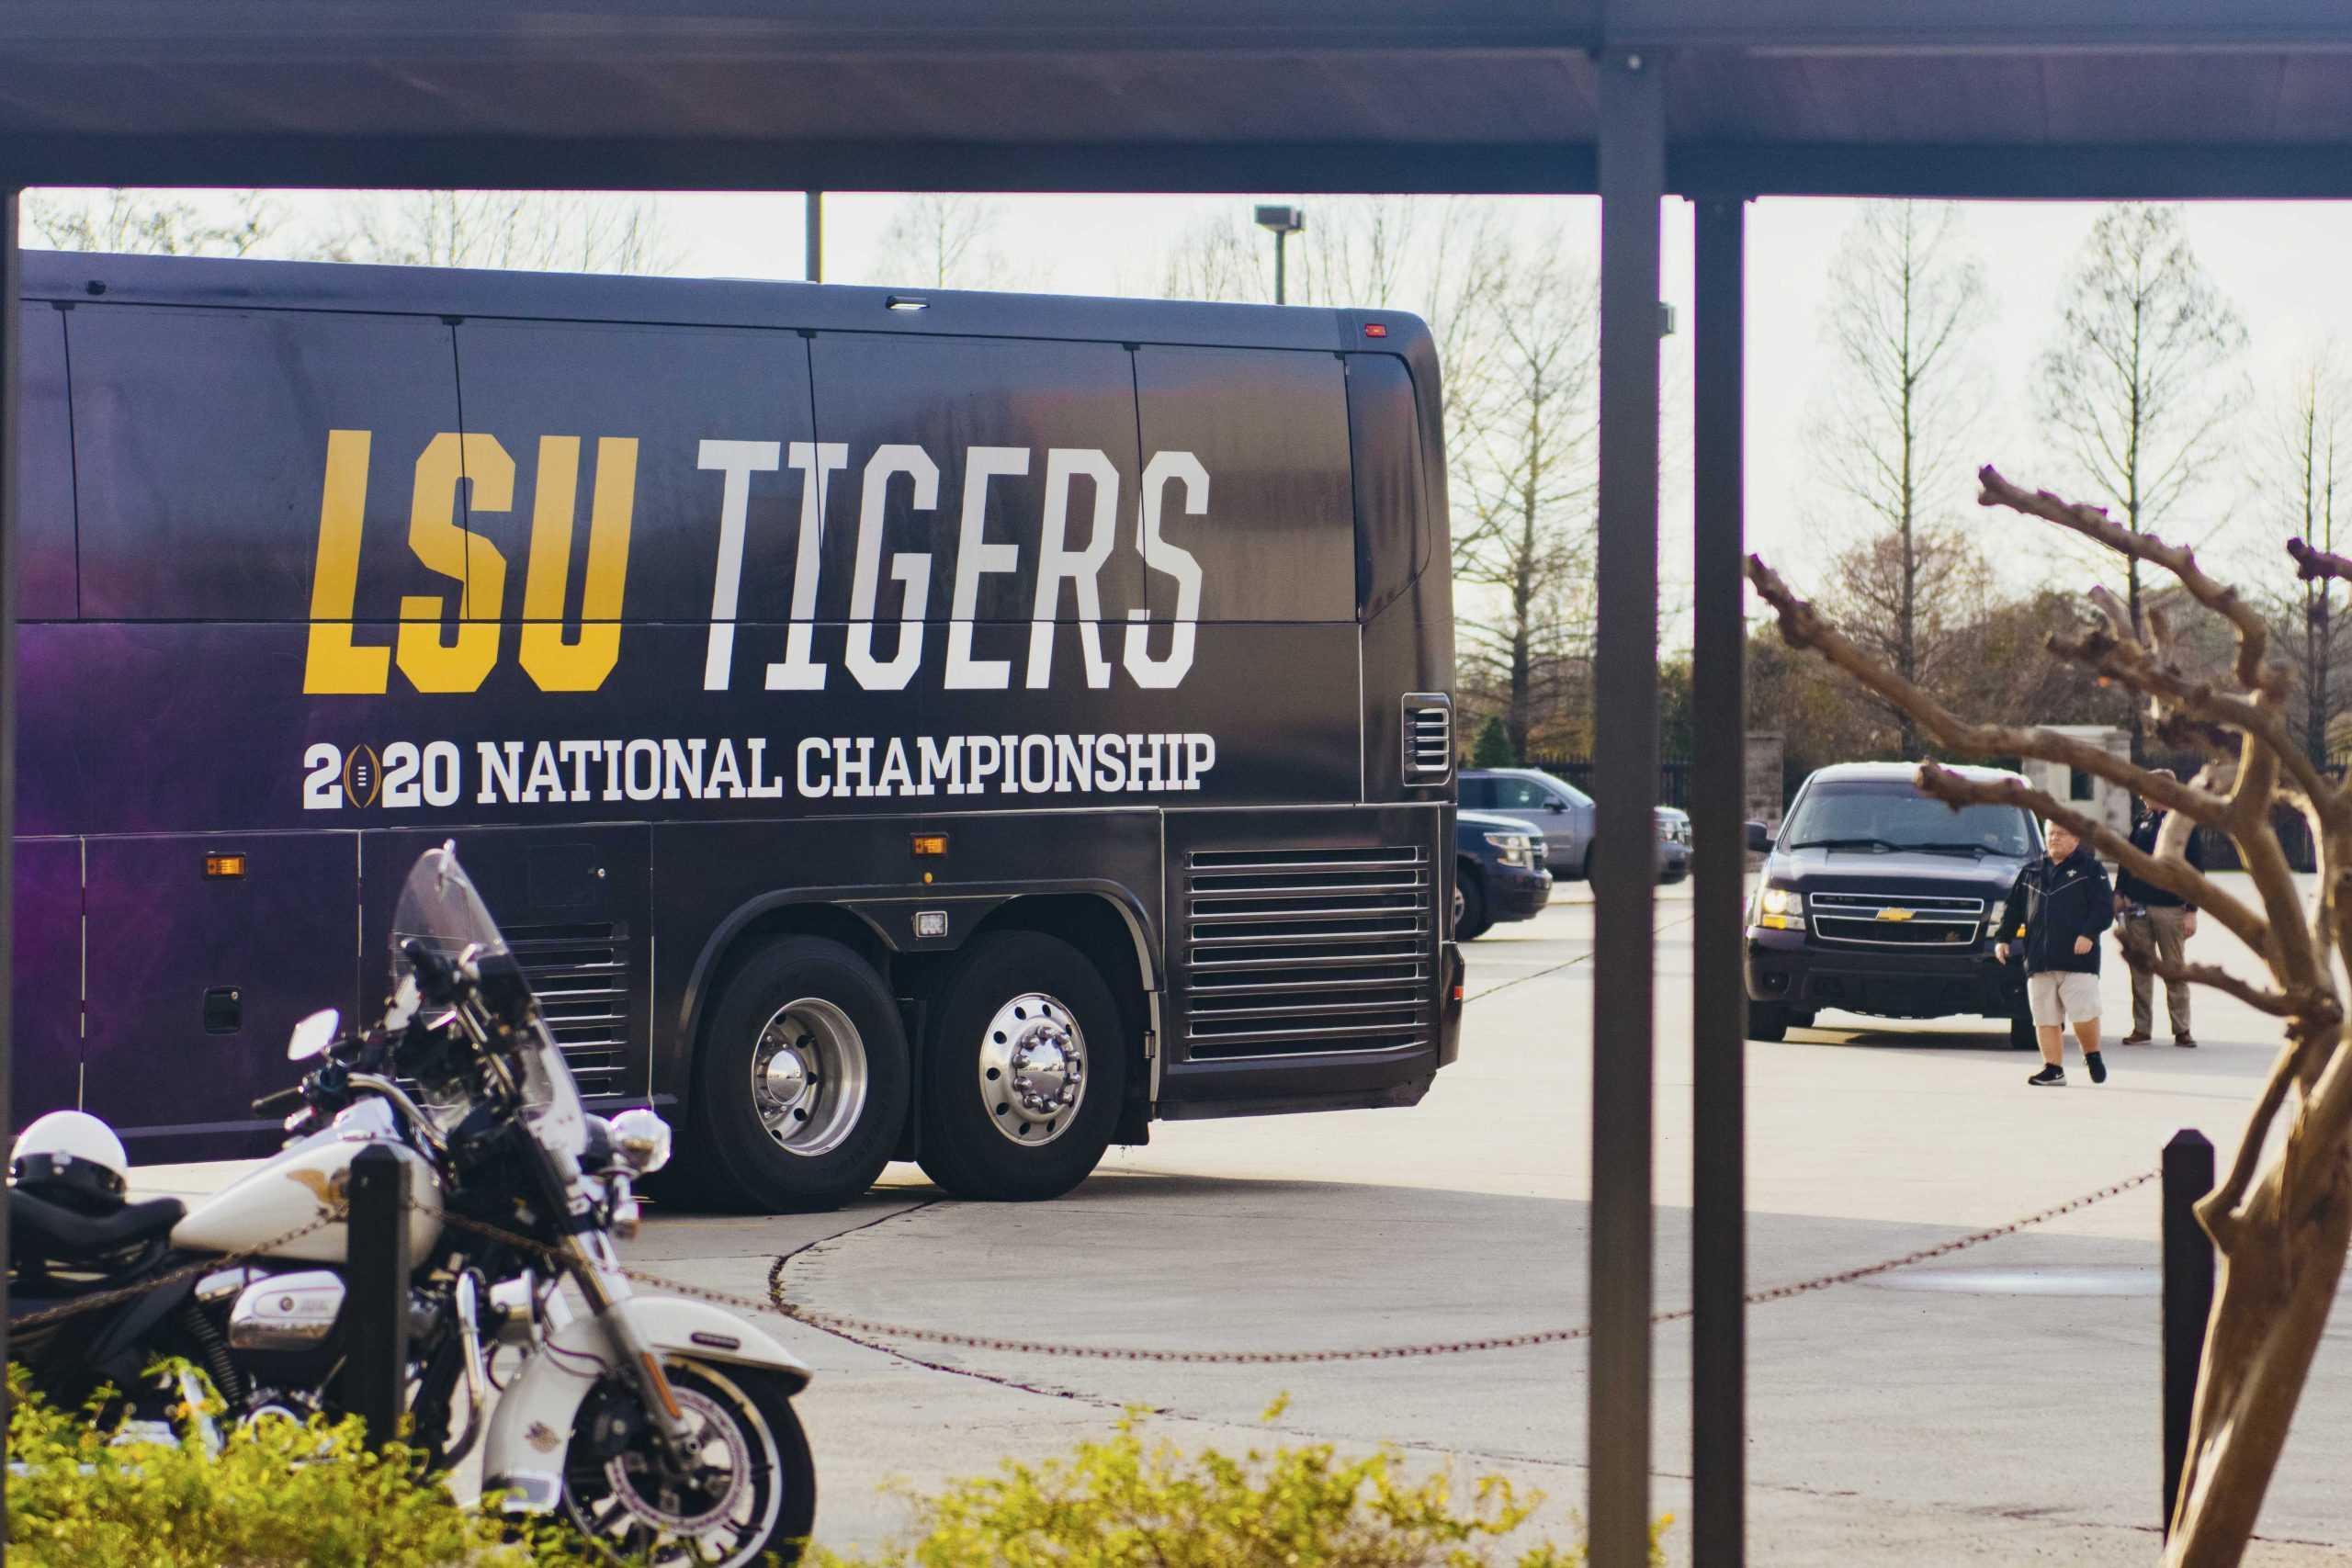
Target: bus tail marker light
x=225, y=866
x=930, y=844
x=1376, y=328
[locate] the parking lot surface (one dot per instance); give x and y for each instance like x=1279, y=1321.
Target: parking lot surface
x=1994, y=1407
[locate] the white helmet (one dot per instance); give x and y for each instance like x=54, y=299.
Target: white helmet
x=70, y=1157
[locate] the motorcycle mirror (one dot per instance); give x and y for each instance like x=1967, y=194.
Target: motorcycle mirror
x=641, y=1138
x=313, y=1034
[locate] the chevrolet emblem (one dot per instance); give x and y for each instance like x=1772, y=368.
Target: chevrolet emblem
x=1895, y=914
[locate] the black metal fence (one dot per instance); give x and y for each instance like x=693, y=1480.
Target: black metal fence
x=1673, y=776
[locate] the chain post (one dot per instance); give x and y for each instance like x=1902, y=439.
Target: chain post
x=2189, y=1297
x=375, y=1310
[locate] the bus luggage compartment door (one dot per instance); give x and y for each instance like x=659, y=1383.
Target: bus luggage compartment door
x=45, y=1058
x=572, y=902
x=203, y=953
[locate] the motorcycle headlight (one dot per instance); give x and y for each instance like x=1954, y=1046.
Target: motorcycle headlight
x=1512, y=848
x=641, y=1139
x=1780, y=910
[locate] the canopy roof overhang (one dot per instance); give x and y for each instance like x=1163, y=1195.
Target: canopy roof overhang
x=1932, y=97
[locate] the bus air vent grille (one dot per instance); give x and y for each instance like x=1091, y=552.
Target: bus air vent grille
x=580, y=974
x=1297, y=952
x=1429, y=737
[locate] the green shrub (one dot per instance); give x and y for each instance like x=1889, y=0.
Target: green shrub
x=1125, y=1503
x=278, y=1494
x=1492, y=749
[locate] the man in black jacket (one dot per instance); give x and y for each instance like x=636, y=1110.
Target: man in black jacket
x=2064, y=902
x=2163, y=921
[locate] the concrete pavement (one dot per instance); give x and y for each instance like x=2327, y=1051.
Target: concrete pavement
x=1998, y=1406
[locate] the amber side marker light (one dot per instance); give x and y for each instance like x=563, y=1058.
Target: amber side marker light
x=930, y=844
x=1376, y=328
x=225, y=866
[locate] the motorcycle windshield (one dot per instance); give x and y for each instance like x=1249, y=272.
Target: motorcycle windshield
x=439, y=908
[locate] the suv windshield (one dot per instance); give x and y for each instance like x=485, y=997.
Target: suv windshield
x=1895, y=816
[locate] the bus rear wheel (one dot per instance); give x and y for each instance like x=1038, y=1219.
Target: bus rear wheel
x=802, y=1082
x=1024, y=1071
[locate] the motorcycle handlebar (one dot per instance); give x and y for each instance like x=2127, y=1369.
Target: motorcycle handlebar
x=279, y=1104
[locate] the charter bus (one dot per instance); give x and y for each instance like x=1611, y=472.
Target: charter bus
x=945, y=727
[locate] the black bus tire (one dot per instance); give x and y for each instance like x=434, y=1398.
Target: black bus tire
x=837, y=1105
x=1007, y=1008
x=1475, y=922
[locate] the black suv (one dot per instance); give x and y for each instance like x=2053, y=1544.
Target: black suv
x=1876, y=898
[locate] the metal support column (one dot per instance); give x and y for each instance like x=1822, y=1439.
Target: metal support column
x=9, y=667
x=1633, y=182
x=812, y=225
x=1718, y=876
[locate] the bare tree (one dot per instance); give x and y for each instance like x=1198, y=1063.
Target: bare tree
x=1219, y=258
x=148, y=222
x=1523, y=469
x=1903, y=295
x=2307, y=460
x=529, y=230
x=2131, y=385
x=943, y=241
x=2280, y=1219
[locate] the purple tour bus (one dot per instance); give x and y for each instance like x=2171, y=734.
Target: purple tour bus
x=945, y=727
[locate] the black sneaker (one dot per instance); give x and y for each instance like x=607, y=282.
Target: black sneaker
x=2051, y=1075
x=2098, y=1065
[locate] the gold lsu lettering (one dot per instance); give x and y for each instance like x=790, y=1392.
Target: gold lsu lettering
x=433, y=658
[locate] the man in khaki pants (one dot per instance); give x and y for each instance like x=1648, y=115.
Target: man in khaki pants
x=2165, y=921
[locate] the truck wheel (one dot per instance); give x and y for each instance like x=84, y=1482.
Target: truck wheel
x=1767, y=1021
x=1023, y=1072
x=1474, y=922
x=801, y=1083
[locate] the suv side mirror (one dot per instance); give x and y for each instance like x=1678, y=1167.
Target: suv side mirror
x=1555, y=804
x=1760, y=839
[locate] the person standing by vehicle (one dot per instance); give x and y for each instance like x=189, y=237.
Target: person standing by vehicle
x=2165, y=921
x=2064, y=902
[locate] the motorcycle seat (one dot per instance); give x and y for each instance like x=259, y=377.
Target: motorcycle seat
x=36, y=1224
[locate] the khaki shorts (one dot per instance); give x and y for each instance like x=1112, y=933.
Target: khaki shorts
x=2064, y=997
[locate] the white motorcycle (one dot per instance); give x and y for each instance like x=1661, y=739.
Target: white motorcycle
x=662, y=1428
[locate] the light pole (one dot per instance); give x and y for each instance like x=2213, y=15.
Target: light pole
x=1282, y=222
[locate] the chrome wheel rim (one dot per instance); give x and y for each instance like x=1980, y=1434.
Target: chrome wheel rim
x=808, y=1076
x=723, y=1515
x=1033, y=1069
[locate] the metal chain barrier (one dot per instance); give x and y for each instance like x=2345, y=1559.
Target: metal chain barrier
x=95, y=1300
x=869, y=1329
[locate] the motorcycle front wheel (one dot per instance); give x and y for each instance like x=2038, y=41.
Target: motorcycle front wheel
x=749, y=1490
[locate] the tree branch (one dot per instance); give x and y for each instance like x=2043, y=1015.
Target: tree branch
x=1803, y=626
x=2140, y=954
x=2175, y=876
x=2266, y=677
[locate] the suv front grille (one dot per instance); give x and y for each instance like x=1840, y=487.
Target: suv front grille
x=1895, y=919
x=1288, y=952
x=580, y=974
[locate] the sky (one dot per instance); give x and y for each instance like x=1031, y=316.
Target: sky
x=2274, y=262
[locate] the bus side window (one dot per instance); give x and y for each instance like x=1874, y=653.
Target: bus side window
x=214, y=449
x=1270, y=428
x=1384, y=431
x=45, y=570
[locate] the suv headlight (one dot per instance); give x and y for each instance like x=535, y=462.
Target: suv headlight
x=1780, y=910
x=1512, y=848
